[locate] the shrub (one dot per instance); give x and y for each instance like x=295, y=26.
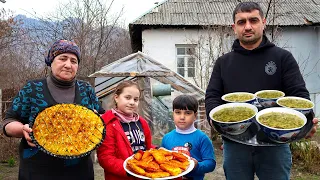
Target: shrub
x=11, y=162
x=8, y=147
x=306, y=155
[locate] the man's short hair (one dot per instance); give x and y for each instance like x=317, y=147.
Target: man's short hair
x=185, y=102
x=247, y=7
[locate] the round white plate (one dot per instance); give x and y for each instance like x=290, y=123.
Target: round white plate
x=189, y=169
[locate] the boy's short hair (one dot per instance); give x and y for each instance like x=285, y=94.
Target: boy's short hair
x=246, y=7
x=185, y=102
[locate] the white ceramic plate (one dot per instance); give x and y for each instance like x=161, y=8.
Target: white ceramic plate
x=189, y=169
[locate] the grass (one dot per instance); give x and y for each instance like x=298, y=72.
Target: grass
x=156, y=141
x=307, y=177
x=11, y=162
x=317, y=134
x=8, y=172
x=306, y=158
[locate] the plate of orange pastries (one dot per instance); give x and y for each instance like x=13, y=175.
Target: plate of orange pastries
x=158, y=164
x=67, y=131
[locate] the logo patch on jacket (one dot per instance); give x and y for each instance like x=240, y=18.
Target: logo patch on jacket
x=184, y=149
x=270, y=68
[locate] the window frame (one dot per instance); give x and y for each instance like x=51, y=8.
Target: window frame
x=186, y=58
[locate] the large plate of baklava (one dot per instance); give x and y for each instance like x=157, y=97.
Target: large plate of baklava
x=67, y=131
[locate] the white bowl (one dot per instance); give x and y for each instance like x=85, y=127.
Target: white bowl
x=268, y=102
x=280, y=135
x=233, y=128
x=250, y=101
x=304, y=111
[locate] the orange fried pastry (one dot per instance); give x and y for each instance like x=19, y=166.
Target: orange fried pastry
x=158, y=156
x=186, y=163
x=146, y=154
x=138, y=155
x=136, y=168
x=153, y=167
x=179, y=156
x=164, y=152
x=147, y=159
x=182, y=165
x=133, y=161
x=158, y=163
x=171, y=169
x=148, y=166
x=159, y=174
x=168, y=158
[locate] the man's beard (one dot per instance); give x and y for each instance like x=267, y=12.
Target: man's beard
x=251, y=40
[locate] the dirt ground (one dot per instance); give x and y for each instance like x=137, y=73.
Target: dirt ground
x=10, y=173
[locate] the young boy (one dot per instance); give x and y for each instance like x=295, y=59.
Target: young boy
x=186, y=138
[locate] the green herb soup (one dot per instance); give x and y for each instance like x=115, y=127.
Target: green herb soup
x=269, y=95
x=295, y=103
x=233, y=114
x=239, y=97
x=281, y=120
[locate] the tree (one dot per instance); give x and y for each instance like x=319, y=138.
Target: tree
x=7, y=24
x=89, y=23
x=212, y=42
x=92, y=26
x=10, y=39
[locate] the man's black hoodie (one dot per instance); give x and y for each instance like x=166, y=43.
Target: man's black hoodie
x=263, y=68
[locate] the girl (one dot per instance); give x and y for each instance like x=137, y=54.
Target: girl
x=127, y=132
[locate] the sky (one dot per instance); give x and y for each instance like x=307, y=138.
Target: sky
x=132, y=8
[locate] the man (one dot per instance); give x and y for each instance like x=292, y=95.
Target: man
x=254, y=64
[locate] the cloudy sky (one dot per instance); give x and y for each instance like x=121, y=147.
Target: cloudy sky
x=132, y=8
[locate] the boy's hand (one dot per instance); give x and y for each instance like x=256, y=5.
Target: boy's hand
x=195, y=162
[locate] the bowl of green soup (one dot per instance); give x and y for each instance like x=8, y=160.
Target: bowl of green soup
x=297, y=103
x=244, y=97
x=268, y=98
x=280, y=124
x=233, y=118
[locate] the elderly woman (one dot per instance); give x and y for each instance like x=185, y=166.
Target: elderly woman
x=60, y=87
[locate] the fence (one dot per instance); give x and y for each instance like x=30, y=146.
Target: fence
x=315, y=98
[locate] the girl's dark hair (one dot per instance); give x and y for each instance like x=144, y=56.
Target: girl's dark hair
x=247, y=7
x=185, y=102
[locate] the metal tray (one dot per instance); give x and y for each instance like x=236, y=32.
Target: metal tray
x=254, y=136
x=67, y=156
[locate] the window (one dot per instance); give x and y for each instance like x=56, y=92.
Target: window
x=185, y=60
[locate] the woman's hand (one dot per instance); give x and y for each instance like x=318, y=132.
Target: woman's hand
x=314, y=128
x=95, y=111
x=26, y=130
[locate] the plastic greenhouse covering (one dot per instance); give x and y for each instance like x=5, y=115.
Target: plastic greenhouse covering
x=147, y=72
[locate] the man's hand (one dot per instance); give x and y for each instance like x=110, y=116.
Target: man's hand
x=26, y=130
x=314, y=128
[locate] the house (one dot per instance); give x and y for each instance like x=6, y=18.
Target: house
x=155, y=104
x=188, y=35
